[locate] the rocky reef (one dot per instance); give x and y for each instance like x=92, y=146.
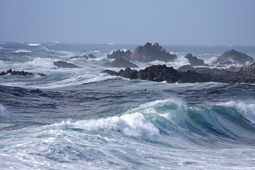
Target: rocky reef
x=160, y=73
x=20, y=73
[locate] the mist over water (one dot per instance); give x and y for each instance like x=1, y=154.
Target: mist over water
x=80, y=118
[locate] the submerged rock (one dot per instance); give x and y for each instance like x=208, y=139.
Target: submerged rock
x=120, y=63
x=90, y=56
x=233, y=57
x=63, y=64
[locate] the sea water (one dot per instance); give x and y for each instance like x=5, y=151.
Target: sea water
x=83, y=119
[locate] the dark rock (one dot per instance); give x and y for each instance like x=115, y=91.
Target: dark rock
x=128, y=73
x=19, y=73
x=233, y=57
x=110, y=72
x=63, y=64
x=90, y=56
x=149, y=52
x=194, y=61
x=41, y=74
x=79, y=57
x=159, y=73
x=122, y=54
x=192, y=76
x=120, y=63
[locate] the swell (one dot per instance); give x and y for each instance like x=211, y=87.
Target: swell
x=148, y=135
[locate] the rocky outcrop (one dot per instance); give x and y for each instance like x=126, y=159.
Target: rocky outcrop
x=149, y=52
x=90, y=56
x=233, y=57
x=120, y=63
x=63, y=64
x=169, y=74
x=20, y=73
x=194, y=61
x=122, y=54
x=250, y=68
x=146, y=53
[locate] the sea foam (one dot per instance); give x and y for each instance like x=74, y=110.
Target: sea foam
x=34, y=45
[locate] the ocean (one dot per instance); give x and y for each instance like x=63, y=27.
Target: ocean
x=79, y=118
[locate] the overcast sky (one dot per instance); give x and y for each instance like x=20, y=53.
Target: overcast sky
x=185, y=22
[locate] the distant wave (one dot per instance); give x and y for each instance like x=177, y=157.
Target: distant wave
x=22, y=51
x=34, y=45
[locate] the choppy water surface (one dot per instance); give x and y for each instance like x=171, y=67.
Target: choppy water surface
x=83, y=119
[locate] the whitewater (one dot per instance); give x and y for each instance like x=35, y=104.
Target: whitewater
x=79, y=118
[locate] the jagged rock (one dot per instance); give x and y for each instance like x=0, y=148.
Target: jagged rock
x=63, y=64
x=128, y=73
x=120, y=63
x=122, y=54
x=194, y=61
x=233, y=57
x=20, y=73
x=149, y=52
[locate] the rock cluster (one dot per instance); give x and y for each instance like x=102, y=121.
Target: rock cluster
x=20, y=73
x=90, y=56
x=146, y=53
x=149, y=53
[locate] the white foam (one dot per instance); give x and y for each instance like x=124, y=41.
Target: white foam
x=211, y=60
x=34, y=45
x=96, y=51
x=22, y=51
x=3, y=111
x=135, y=125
